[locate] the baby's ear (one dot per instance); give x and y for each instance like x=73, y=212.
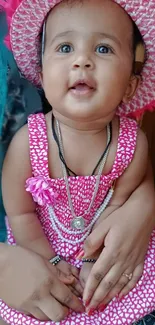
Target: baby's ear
x=131, y=89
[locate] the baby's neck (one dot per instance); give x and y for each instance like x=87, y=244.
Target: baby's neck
x=83, y=149
x=83, y=144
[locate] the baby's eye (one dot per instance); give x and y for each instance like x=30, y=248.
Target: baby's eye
x=65, y=48
x=104, y=49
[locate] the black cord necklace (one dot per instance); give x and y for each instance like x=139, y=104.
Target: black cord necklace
x=61, y=155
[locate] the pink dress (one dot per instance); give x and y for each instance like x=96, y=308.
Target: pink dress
x=48, y=192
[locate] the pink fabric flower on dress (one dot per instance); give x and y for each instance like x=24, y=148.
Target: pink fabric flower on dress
x=41, y=190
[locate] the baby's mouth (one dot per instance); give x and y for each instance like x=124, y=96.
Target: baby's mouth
x=82, y=87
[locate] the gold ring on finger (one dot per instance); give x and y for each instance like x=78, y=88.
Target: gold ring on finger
x=129, y=276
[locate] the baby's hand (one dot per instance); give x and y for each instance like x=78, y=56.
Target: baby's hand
x=73, y=272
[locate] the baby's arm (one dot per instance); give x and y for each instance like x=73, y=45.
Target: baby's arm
x=19, y=206
x=131, y=178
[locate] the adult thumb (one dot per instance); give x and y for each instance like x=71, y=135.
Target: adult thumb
x=95, y=240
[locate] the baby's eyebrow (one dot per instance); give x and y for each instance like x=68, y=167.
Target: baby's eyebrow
x=112, y=37
x=102, y=35
x=60, y=35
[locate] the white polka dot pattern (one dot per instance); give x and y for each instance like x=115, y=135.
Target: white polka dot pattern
x=141, y=300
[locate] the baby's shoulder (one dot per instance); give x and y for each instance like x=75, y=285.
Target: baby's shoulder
x=17, y=154
x=20, y=141
x=142, y=143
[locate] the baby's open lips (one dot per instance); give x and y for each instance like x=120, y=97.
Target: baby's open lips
x=83, y=84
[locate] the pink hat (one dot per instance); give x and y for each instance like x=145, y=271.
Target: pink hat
x=26, y=18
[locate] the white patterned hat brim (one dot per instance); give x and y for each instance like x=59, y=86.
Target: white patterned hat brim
x=26, y=25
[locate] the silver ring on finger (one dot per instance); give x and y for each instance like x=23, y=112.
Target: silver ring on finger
x=128, y=276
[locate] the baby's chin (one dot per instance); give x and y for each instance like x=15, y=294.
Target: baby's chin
x=80, y=113
x=83, y=109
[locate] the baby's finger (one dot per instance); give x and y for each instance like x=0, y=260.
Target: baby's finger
x=38, y=314
x=75, y=271
x=78, y=287
x=65, y=268
x=63, y=277
x=56, y=313
x=74, y=291
x=64, y=295
x=132, y=283
x=72, y=273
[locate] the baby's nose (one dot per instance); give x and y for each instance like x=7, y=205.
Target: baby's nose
x=83, y=62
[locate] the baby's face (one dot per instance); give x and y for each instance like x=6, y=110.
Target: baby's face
x=87, y=64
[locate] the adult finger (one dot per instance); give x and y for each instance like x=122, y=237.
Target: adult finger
x=115, y=291
x=98, y=272
x=132, y=283
x=96, y=239
x=105, y=286
x=53, y=309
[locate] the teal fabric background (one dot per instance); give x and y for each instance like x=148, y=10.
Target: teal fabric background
x=17, y=109
x=2, y=213
x=18, y=98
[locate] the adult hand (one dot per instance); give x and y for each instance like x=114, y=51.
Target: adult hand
x=122, y=254
x=33, y=286
x=125, y=236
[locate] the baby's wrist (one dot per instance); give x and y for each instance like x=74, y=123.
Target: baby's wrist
x=89, y=260
x=55, y=259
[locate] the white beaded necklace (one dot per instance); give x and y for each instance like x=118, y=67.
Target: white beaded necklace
x=78, y=222
x=79, y=229
x=59, y=227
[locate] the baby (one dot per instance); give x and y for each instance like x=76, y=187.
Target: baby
x=83, y=160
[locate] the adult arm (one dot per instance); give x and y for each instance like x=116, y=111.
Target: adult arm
x=118, y=233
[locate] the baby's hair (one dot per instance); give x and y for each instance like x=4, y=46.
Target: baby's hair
x=138, y=43
x=137, y=37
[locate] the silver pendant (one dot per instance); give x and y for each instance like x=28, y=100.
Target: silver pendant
x=78, y=223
